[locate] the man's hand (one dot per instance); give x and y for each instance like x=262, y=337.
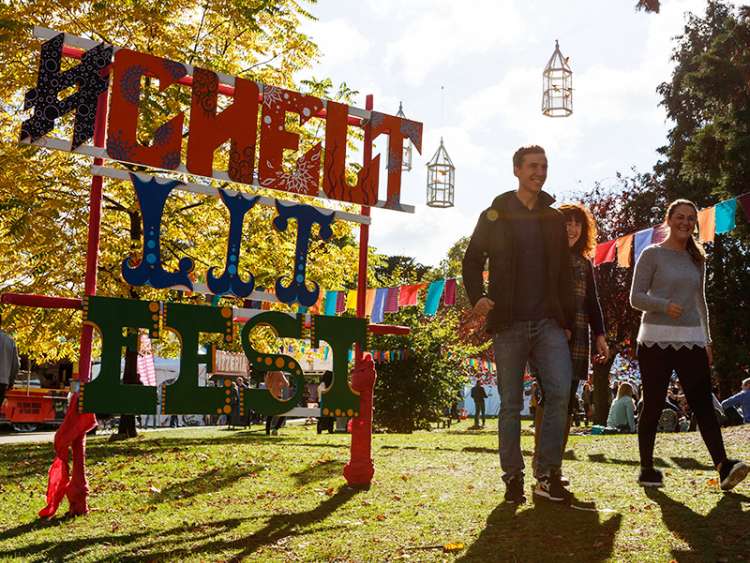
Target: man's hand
x=602, y=349
x=568, y=334
x=483, y=306
x=674, y=310
x=710, y=354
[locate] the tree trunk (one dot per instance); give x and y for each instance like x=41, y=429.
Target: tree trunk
x=130, y=374
x=601, y=391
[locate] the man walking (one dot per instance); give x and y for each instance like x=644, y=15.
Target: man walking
x=529, y=311
x=8, y=362
x=479, y=395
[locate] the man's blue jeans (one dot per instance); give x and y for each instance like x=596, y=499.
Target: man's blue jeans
x=543, y=344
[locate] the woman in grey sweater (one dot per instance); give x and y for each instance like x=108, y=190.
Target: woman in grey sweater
x=668, y=286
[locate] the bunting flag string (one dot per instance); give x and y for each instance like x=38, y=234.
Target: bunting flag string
x=716, y=220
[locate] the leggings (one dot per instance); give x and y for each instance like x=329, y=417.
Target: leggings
x=691, y=365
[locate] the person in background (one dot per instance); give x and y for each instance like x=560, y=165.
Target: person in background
x=479, y=395
x=324, y=422
x=741, y=400
x=534, y=402
x=9, y=362
x=278, y=385
x=588, y=401
x=669, y=287
x=622, y=411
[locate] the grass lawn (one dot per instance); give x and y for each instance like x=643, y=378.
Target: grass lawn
x=215, y=495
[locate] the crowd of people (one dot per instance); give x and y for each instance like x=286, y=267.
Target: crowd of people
x=542, y=309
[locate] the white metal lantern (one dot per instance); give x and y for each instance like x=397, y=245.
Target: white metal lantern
x=557, y=99
x=441, y=177
x=406, y=156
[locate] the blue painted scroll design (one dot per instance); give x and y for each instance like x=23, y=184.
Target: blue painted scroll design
x=152, y=196
x=230, y=281
x=306, y=217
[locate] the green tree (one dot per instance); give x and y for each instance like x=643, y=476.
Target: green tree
x=707, y=159
x=412, y=393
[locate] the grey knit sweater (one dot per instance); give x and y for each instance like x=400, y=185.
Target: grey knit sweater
x=664, y=276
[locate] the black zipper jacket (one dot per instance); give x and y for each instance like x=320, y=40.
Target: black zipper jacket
x=493, y=239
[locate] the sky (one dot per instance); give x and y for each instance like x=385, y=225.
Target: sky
x=488, y=56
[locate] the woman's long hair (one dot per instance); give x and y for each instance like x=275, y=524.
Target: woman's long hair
x=586, y=243
x=694, y=248
x=625, y=389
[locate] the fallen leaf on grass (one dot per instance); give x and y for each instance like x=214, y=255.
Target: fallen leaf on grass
x=453, y=547
x=380, y=517
x=330, y=491
x=713, y=482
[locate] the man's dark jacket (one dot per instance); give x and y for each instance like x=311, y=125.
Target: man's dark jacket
x=493, y=239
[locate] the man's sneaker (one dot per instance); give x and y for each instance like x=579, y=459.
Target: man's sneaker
x=549, y=488
x=564, y=481
x=514, y=491
x=650, y=477
x=732, y=473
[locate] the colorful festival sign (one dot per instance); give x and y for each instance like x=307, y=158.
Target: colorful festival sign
x=319, y=172
x=264, y=151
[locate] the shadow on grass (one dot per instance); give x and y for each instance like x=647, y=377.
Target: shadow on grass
x=207, y=538
x=207, y=482
x=278, y=528
x=318, y=471
x=21, y=460
x=601, y=458
x=528, y=535
x=59, y=549
x=690, y=463
x=718, y=536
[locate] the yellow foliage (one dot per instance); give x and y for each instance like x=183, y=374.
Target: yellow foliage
x=44, y=194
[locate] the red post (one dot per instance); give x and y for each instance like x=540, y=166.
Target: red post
x=78, y=489
x=92, y=250
x=360, y=469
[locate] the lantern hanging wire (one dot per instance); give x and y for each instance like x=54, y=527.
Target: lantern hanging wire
x=407, y=150
x=557, y=96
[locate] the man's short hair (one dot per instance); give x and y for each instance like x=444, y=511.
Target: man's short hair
x=523, y=151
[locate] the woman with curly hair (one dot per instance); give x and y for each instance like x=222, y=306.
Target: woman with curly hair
x=582, y=231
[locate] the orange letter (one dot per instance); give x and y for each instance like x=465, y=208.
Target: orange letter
x=122, y=143
x=209, y=130
x=305, y=178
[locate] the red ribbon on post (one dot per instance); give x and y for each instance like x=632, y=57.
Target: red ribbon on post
x=70, y=435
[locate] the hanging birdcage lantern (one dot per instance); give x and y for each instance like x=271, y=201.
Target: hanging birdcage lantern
x=557, y=99
x=441, y=177
x=406, y=156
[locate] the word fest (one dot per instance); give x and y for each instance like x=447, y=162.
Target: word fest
x=111, y=315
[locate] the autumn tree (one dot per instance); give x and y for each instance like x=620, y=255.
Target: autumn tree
x=44, y=194
x=707, y=159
